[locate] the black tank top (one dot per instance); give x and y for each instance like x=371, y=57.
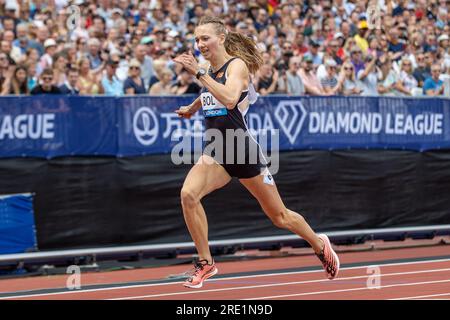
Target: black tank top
x=217, y=116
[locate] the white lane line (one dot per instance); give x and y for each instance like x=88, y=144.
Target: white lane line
x=276, y=284
x=421, y=297
x=347, y=290
x=214, y=280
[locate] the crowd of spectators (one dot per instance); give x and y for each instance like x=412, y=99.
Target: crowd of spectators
x=323, y=47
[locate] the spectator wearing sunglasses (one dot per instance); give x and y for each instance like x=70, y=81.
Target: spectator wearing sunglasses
x=134, y=84
x=45, y=86
x=110, y=82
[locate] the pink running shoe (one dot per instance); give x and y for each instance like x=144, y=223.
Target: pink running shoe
x=202, y=271
x=329, y=258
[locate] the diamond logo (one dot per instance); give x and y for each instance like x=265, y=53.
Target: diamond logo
x=291, y=115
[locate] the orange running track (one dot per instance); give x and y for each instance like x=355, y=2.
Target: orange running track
x=407, y=273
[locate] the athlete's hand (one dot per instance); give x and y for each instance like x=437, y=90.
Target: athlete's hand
x=188, y=61
x=184, y=112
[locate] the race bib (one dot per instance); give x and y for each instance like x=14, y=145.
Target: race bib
x=211, y=106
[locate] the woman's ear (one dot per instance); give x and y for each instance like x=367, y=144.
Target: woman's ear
x=222, y=38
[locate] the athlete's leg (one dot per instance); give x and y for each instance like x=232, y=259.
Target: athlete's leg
x=204, y=177
x=270, y=201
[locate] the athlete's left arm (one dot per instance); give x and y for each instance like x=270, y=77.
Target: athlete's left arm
x=237, y=81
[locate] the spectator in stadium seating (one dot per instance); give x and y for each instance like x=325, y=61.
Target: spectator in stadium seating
x=87, y=81
x=422, y=71
x=70, y=86
x=59, y=69
x=119, y=27
x=369, y=76
x=134, y=84
x=46, y=60
x=388, y=80
x=32, y=75
x=147, y=70
x=335, y=51
x=331, y=85
x=356, y=57
x=317, y=57
x=110, y=82
x=407, y=84
x=350, y=86
x=309, y=78
x=164, y=85
x=267, y=80
x=394, y=44
x=94, y=57
x=361, y=36
x=294, y=82
x=17, y=84
x=433, y=86
x=45, y=86
x=185, y=84
x=14, y=52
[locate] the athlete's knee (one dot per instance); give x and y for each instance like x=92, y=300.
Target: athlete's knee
x=281, y=218
x=188, y=198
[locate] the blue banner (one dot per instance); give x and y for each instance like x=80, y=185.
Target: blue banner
x=52, y=126
x=17, y=228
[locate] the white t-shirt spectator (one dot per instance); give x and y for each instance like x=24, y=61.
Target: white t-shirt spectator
x=369, y=83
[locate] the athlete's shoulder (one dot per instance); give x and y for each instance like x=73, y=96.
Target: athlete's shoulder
x=239, y=65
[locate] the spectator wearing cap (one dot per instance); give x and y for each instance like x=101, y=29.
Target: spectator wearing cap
x=316, y=56
x=46, y=84
x=407, y=84
x=134, y=84
x=294, y=82
x=267, y=80
x=185, y=84
x=433, y=86
x=70, y=86
x=110, y=82
x=146, y=62
x=46, y=60
x=309, y=79
x=443, y=49
x=331, y=85
x=361, y=37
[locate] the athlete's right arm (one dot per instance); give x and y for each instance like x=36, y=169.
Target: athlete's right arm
x=188, y=111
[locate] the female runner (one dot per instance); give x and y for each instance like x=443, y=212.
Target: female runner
x=225, y=100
